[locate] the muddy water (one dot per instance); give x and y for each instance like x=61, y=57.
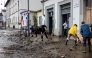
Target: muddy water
x=12, y=46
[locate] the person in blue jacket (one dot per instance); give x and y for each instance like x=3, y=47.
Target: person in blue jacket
x=85, y=32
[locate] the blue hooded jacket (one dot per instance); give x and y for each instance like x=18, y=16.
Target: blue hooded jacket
x=85, y=31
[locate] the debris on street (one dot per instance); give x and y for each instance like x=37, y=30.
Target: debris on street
x=14, y=45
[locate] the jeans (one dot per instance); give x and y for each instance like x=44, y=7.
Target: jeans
x=65, y=32
x=85, y=39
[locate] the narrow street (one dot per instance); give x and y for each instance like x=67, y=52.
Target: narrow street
x=14, y=46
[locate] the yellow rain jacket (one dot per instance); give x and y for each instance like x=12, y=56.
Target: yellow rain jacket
x=73, y=30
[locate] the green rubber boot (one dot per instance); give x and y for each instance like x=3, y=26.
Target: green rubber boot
x=89, y=48
x=84, y=51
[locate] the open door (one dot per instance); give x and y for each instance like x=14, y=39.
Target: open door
x=50, y=20
x=88, y=16
x=64, y=19
x=88, y=11
x=50, y=25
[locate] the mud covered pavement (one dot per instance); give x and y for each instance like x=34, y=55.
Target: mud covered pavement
x=14, y=46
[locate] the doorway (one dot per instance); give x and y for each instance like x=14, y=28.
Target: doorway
x=65, y=18
x=50, y=21
x=65, y=14
x=50, y=25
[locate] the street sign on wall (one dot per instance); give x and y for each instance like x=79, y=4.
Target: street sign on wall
x=76, y=3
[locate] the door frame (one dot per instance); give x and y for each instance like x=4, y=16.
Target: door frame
x=67, y=21
x=60, y=14
x=49, y=20
x=47, y=16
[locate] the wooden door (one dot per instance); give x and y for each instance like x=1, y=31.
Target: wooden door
x=88, y=16
x=88, y=11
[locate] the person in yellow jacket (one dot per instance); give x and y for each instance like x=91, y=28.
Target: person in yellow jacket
x=72, y=32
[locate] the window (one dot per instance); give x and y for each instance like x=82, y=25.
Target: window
x=88, y=3
x=40, y=20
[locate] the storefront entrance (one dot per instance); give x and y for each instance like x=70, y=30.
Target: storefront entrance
x=65, y=18
x=65, y=12
x=50, y=20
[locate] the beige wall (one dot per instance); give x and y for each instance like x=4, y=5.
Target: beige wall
x=31, y=17
x=39, y=13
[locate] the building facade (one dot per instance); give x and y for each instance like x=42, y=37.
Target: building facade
x=33, y=15
x=56, y=12
x=3, y=11
x=15, y=7
x=1, y=19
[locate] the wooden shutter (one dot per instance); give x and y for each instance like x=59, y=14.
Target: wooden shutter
x=88, y=15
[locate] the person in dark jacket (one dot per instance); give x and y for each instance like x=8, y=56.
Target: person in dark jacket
x=36, y=30
x=43, y=31
x=85, y=32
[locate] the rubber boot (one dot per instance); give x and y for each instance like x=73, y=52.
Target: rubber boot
x=66, y=42
x=42, y=38
x=84, y=51
x=89, y=48
x=75, y=42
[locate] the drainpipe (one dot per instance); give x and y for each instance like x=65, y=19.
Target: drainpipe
x=43, y=7
x=18, y=13
x=28, y=19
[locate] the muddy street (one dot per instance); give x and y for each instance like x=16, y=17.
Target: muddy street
x=14, y=46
